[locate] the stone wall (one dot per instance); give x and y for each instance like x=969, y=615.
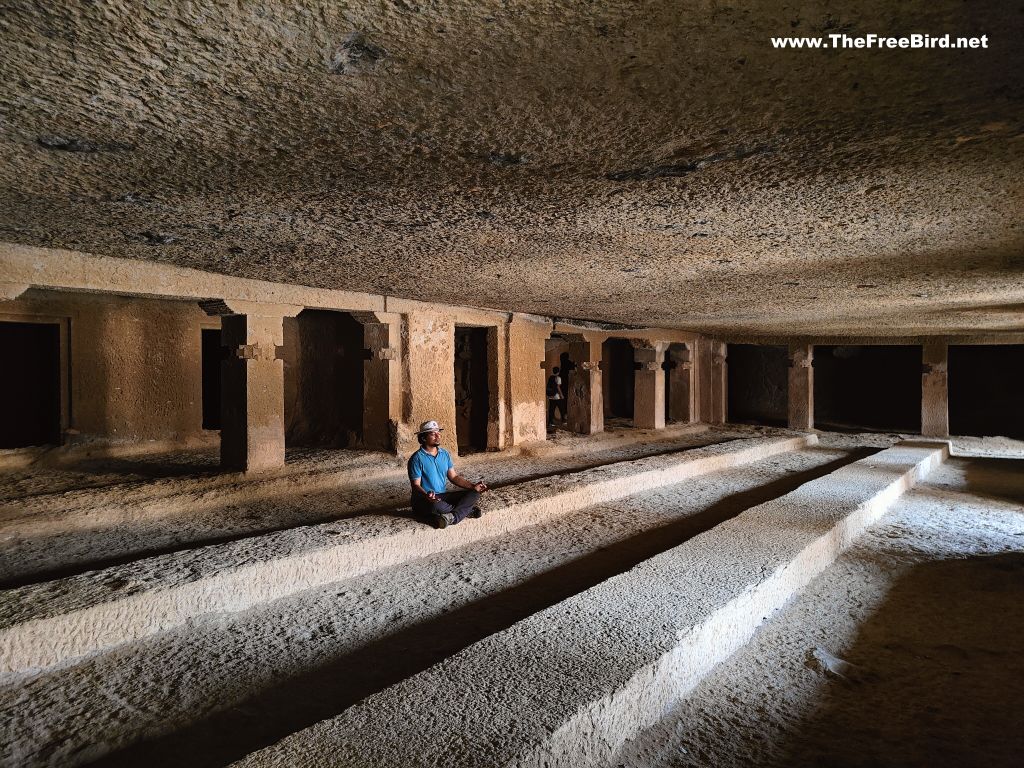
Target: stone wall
x=134, y=364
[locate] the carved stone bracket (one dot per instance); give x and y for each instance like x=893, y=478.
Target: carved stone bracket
x=801, y=357
x=259, y=352
x=222, y=307
x=11, y=291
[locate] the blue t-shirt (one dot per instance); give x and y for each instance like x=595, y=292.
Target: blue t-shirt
x=431, y=471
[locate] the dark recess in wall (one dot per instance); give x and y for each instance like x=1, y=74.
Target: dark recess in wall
x=323, y=377
x=31, y=389
x=758, y=384
x=472, y=392
x=212, y=355
x=619, y=378
x=986, y=390
x=869, y=388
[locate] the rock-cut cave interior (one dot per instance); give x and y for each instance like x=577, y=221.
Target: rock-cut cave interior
x=492, y=383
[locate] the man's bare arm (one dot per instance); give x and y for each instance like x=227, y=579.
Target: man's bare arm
x=418, y=488
x=462, y=482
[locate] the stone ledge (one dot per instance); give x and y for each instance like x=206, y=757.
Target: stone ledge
x=46, y=624
x=569, y=685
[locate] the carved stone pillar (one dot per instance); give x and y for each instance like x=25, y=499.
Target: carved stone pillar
x=801, y=387
x=649, y=384
x=381, y=378
x=681, y=405
x=935, y=389
x=719, y=382
x=586, y=398
x=252, y=383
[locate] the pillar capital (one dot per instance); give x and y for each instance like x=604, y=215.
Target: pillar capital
x=801, y=355
x=680, y=353
x=646, y=353
x=11, y=291
x=225, y=307
x=383, y=318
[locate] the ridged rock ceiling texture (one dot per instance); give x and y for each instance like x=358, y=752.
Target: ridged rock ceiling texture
x=653, y=163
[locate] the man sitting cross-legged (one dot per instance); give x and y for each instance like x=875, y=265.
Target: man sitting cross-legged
x=430, y=469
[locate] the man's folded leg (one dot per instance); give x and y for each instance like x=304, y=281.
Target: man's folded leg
x=442, y=512
x=461, y=503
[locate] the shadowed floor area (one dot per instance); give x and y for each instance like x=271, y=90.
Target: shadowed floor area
x=908, y=651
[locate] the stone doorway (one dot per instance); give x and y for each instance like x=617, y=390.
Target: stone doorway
x=868, y=388
x=323, y=380
x=472, y=388
x=758, y=384
x=619, y=378
x=212, y=356
x=31, y=396
x=985, y=390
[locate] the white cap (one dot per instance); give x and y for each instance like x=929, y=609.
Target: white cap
x=430, y=426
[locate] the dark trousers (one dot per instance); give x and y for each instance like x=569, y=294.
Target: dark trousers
x=459, y=503
x=560, y=405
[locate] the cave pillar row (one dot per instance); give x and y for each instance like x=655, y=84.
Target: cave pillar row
x=801, y=387
x=649, y=384
x=935, y=389
x=252, y=383
x=586, y=396
x=382, y=395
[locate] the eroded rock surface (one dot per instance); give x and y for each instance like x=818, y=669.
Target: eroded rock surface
x=657, y=164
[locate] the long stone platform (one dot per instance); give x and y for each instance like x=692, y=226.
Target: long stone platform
x=43, y=625
x=569, y=685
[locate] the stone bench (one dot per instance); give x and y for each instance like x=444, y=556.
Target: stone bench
x=570, y=684
x=46, y=624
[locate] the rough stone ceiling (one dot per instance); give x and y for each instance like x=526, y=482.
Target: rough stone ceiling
x=648, y=163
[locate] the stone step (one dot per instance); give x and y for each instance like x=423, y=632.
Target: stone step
x=569, y=685
x=43, y=625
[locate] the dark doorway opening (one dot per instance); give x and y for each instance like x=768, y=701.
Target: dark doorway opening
x=31, y=393
x=869, y=388
x=985, y=385
x=472, y=390
x=758, y=388
x=323, y=380
x=212, y=356
x=557, y=355
x=619, y=380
